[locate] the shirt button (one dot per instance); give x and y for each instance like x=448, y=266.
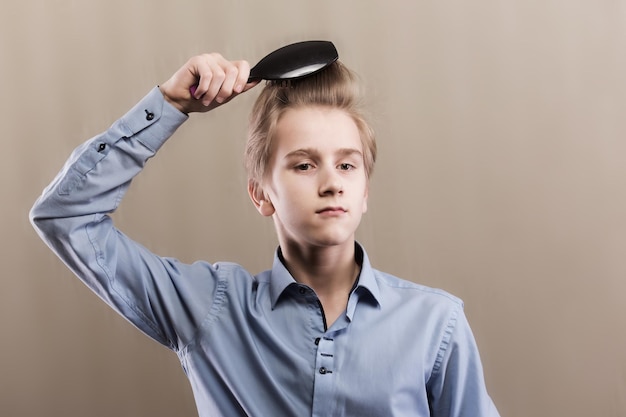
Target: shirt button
x=302, y=291
x=317, y=341
x=323, y=370
x=149, y=115
x=102, y=147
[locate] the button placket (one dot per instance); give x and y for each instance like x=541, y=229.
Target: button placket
x=325, y=355
x=325, y=376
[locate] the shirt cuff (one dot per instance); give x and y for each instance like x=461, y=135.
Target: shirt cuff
x=153, y=120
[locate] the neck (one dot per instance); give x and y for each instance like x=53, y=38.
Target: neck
x=327, y=270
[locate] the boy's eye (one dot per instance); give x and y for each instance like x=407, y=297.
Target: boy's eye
x=303, y=167
x=346, y=167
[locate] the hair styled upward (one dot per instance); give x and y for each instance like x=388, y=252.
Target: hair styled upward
x=335, y=87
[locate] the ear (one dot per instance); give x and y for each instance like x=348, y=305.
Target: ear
x=259, y=199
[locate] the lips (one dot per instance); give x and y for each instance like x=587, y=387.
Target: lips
x=332, y=210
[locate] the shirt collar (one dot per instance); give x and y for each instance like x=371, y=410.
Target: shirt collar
x=366, y=285
x=280, y=278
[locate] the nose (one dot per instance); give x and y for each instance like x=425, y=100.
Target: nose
x=330, y=182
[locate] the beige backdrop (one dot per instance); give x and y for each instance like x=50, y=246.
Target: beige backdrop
x=501, y=178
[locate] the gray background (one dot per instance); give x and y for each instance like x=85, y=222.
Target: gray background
x=501, y=179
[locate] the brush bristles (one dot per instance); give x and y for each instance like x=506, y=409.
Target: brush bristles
x=279, y=83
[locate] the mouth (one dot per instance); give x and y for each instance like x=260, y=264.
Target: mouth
x=332, y=211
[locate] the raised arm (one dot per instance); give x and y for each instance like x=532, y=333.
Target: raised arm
x=72, y=214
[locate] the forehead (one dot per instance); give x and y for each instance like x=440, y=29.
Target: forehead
x=321, y=128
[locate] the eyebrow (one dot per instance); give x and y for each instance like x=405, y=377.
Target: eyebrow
x=343, y=152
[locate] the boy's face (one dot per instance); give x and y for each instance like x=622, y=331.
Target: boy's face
x=316, y=188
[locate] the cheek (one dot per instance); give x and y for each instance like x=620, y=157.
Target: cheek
x=365, y=196
x=285, y=192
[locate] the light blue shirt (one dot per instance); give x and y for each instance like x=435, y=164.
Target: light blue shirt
x=258, y=345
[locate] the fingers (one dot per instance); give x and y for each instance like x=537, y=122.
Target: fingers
x=218, y=79
x=205, y=82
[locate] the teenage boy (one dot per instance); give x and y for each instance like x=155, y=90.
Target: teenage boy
x=320, y=334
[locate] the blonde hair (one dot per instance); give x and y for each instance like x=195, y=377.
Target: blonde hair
x=335, y=86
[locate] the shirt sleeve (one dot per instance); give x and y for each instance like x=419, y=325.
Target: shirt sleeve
x=457, y=386
x=72, y=217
